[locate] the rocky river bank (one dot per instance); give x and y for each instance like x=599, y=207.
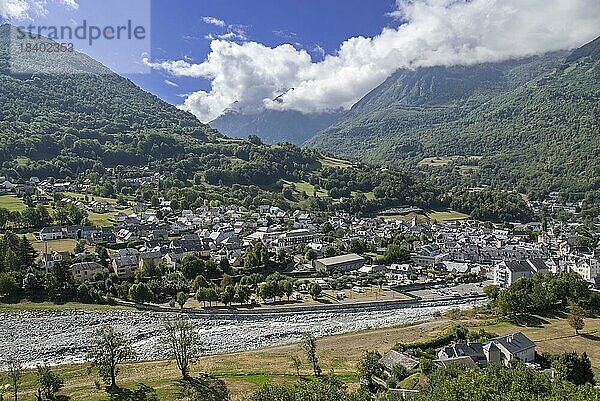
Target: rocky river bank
x=61, y=337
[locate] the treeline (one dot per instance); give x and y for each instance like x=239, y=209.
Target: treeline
x=502, y=384
x=488, y=205
x=541, y=294
x=41, y=216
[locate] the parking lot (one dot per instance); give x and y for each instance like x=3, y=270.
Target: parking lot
x=439, y=292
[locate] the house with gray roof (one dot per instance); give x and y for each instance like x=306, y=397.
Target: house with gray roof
x=499, y=350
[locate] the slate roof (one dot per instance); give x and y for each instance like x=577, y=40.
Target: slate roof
x=514, y=343
x=393, y=358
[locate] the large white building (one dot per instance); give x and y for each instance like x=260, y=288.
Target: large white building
x=507, y=272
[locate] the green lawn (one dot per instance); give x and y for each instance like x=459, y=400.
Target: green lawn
x=11, y=203
x=101, y=219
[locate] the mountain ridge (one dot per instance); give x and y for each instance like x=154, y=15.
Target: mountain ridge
x=414, y=115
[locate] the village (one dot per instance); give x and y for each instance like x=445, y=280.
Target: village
x=396, y=255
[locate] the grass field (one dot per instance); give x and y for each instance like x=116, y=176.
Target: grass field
x=59, y=245
x=11, y=203
x=338, y=355
x=303, y=186
x=556, y=336
x=440, y=161
x=437, y=215
x=79, y=196
x=369, y=195
x=334, y=162
x=447, y=215
x=101, y=219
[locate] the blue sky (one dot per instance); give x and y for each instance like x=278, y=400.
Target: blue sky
x=179, y=32
x=323, y=55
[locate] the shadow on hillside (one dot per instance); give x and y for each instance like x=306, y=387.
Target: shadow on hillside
x=529, y=321
x=554, y=314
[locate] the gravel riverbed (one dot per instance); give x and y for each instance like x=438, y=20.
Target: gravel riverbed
x=63, y=337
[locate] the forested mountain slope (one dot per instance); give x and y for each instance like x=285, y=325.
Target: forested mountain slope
x=84, y=123
x=77, y=114
x=534, y=121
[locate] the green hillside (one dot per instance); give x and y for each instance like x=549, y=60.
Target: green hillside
x=79, y=121
x=534, y=122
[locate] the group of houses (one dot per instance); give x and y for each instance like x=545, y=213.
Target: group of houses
x=436, y=249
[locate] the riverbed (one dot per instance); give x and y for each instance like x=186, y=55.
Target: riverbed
x=63, y=337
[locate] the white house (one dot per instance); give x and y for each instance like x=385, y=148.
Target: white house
x=51, y=233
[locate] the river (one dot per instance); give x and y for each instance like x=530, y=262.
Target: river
x=62, y=337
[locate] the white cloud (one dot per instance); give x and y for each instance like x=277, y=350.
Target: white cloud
x=70, y=3
x=227, y=36
x=233, y=32
x=430, y=32
x=171, y=83
x=20, y=10
x=214, y=21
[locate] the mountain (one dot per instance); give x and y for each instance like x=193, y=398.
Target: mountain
x=68, y=106
x=66, y=116
x=530, y=124
x=274, y=126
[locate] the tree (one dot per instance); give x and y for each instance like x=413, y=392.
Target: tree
x=400, y=372
x=314, y=290
x=492, y=292
x=141, y=293
x=182, y=298
x=396, y=254
x=576, y=317
x=311, y=255
x=182, y=342
x=287, y=286
x=369, y=367
x=14, y=367
x=296, y=364
x=309, y=346
x=8, y=285
x=242, y=293
x=228, y=294
x=202, y=295
x=573, y=368
x=49, y=383
x=199, y=282
x=110, y=348
x=79, y=247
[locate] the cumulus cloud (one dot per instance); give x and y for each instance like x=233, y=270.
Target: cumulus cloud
x=21, y=9
x=28, y=9
x=429, y=32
